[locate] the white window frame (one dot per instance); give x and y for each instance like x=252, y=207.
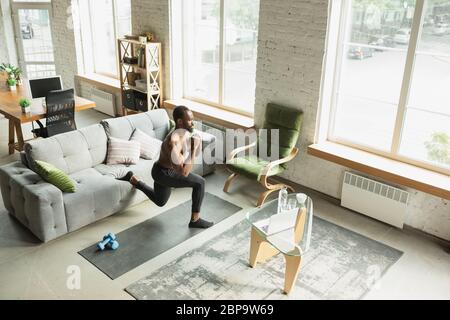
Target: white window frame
x=23, y=5
x=330, y=98
x=87, y=42
x=222, y=37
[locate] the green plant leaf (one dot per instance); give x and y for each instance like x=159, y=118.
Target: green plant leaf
x=23, y=102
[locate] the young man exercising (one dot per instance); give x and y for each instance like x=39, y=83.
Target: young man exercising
x=172, y=170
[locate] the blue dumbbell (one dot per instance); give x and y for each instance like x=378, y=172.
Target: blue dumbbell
x=110, y=241
x=113, y=245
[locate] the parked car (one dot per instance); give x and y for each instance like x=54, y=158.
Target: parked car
x=382, y=41
x=441, y=29
x=359, y=52
x=26, y=30
x=402, y=36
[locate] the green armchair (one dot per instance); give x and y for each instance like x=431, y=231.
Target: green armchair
x=288, y=122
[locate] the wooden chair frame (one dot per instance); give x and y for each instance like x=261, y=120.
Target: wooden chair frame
x=263, y=179
x=261, y=250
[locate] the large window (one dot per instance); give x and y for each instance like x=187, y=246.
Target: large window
x=101, y=23
x=390, y=93
x=34, y=37
x=219, y=52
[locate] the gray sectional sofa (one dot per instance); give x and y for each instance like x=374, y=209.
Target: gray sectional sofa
x=50, y=213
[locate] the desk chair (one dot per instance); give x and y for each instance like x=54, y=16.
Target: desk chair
x=60, y=115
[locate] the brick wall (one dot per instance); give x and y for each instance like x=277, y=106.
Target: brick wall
x=291, y=45
x=153, y=16
x=64, y=41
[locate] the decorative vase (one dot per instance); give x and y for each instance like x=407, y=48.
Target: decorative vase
x=13, y=88
x=26, y=109
x=150, y=36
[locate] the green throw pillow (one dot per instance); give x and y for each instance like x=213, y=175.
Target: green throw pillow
x=55, y=176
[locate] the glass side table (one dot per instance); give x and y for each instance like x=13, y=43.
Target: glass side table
x=287, y=232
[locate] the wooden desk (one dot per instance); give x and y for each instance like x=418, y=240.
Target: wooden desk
x=9, y=107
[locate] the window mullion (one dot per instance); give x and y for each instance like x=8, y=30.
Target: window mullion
x=221, y=50
x=116, y=24
x=343, y=25
x=91, y=23
x=114, y=10
x=407, y=75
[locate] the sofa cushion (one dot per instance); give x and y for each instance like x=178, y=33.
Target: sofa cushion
x=99, y=193
x=55, y=176
x=154, y=123
x=71, y=151
x=142, y=169
x=123, y=151
x=97, y=196
x=252, y=167
x=150, y=147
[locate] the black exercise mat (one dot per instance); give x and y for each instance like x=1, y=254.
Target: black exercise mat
x=154, y=236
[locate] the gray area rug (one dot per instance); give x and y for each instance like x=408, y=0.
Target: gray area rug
x=154, y=236
x=340, y=264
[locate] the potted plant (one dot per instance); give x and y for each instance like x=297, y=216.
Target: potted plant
x=25, y=105
x=11, y=82
x=17, y=72
x=12, y=71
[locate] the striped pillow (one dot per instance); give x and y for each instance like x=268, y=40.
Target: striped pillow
x=55, y=176
x=150, y=147
x=123, y=151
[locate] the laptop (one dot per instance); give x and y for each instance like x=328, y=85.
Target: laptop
x=40, y=87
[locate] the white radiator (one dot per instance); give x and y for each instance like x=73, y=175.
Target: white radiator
x=220, y=134
x=104, y=101
x=374, y=199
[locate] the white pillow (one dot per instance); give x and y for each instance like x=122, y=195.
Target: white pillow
x=150, y=147
x=123, y=151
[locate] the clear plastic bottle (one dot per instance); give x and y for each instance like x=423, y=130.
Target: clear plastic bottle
x=282, y=200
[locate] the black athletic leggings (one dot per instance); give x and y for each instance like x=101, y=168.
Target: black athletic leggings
x=168, y=178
